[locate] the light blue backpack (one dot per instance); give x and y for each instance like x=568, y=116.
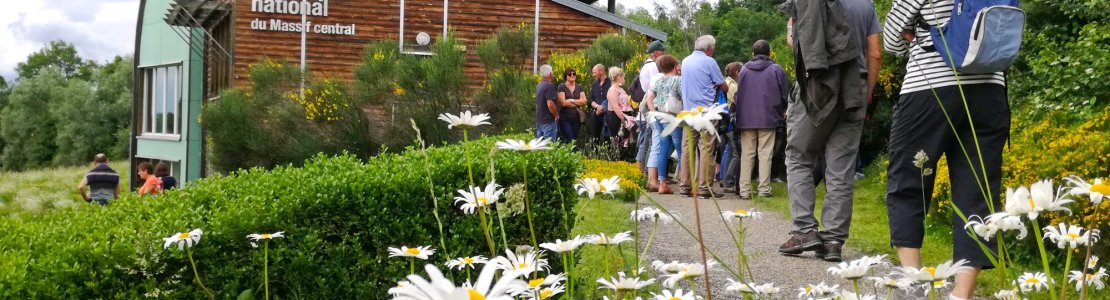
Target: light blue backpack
x=983, y=36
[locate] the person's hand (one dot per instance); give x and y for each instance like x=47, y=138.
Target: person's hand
x=908, y=36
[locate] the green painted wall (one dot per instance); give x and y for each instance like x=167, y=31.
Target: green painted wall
x=162, y=44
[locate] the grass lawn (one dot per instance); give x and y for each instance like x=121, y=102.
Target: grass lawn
x=45, y=189
x=608, y=216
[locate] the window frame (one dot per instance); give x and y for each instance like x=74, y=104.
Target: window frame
x=149, y=76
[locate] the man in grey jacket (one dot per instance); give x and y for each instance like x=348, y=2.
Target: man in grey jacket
x=825, y=119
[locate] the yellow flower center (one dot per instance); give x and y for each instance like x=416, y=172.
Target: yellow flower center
x=183, y=235
x=412, y=251
x=1101, y=189
x=741, y=212
x=809, y=289
x=475, y=295
x=526, y=147
x=521, y=266
x=546, y=293
x=675, y=298
x=1072, y=236
x=1032, y=280
x=932, y=271
x=483, y=201
x=534, y=283
x=265, y=235
x=686, y=114
x=468, y=260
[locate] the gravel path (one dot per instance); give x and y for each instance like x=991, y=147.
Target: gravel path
x=761, y=243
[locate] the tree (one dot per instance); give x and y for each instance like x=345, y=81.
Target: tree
x=61, y=55
x=738, y=30
x=26, y=125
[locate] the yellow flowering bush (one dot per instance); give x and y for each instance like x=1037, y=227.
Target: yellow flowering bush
x=323, y=100
x=631, y=178
x=560, y=61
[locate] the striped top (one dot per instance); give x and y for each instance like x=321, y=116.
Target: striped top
x=925, y=70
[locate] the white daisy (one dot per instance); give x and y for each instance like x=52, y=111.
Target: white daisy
x=623, y=283
x=699, y=119
x=891, y=283
x=520, y=145
x=1042, y=197
x=255, y=237
x=686, y=271
x=998, y=222
x=666, y=268
x=674, y=295
x=533, y=286
x=846, y=295
x=465, y=120
x=767, y=289
x=467, y=262
x=932, y=274
x=602, y=239
x=1093, y=262
x=546, y=293
x=651, y=214
x=1096, y=191
x=591, y=186
x=1094, y=280
x=856, y=269
x=394, y=291
x=1029, y=282
x=741, y=214
x=561, y=246
x=440, y=288
x=421, y=252
x=477, y=198
x=183, y=239
x=1007, y=295
x=1069, y=236
x=523, y=264
x=821, y=290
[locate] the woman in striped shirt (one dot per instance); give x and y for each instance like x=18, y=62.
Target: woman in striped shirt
x=941, y=112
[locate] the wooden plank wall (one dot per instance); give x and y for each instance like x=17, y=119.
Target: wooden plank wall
x=561, y=29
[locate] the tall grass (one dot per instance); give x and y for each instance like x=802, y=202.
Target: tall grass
x=45, y=189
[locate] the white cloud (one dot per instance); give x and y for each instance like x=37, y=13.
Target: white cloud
x=100, y=29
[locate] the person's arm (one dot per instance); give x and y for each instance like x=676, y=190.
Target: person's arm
x=649, y=100
x=790, y=34
x=563, y=102
x=582, y=97
x=551, y=104
x=117, y=190
x=900, y=19
x=874, y=63
x=614, y=97
x=81, y=189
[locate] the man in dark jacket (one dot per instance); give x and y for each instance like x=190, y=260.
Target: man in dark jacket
x=102, y=182
x=760, y=105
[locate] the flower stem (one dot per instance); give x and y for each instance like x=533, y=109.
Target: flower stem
x=855, y=285
x=501, y=226
x=485, y=231
x=196, y=275
x=889, y=292
x=570, y=276
x=266, y=266
x=412, y=265
x=608, y=257
x=562, y=198
x=697, y=211
x=1044, y=255
x=654, y=228
x=528, y=207
x=431, y=191
x=1064, y=279
x=466, y=153
x=932, y=291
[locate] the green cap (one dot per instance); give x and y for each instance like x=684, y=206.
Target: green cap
x=656, y=46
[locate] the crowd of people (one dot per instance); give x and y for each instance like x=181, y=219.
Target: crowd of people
x=814, y=123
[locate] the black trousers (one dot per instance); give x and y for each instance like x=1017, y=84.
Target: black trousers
x=919, y=124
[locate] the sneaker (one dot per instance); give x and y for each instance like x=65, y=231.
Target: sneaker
x=831, y=251
x=800, y=242
x=859, y=176
x=685, y=192
x=745, y=196
x=766, y=194
x=779, y=180
x=707, y=193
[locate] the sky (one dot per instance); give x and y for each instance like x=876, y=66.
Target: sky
x=100, y=29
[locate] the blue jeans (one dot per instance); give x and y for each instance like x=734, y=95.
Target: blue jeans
x=547, y=130
x=643, y=142
x=661, y=147
x=568, y=130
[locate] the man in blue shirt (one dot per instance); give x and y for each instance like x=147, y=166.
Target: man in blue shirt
x=701, y=79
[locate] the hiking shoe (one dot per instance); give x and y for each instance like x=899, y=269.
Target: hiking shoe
x=831, y=251
x=800, y=242
x=707, y=193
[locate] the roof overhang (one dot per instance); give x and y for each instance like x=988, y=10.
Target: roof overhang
x=611, y=18
x=198, y=13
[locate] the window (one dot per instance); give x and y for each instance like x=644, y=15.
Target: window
x=161, y=100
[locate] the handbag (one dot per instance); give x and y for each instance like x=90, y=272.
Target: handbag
x=673, y=104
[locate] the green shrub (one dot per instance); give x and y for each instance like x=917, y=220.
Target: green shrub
x=625, y=51
x=339, y=214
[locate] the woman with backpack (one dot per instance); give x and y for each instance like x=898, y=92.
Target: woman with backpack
x=665, y=96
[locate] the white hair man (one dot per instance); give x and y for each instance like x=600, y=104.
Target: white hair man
x=547, y=112
x=701, y=80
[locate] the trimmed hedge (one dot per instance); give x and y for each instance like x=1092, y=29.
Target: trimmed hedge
x=339, y=213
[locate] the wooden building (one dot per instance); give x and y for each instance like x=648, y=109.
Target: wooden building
x=187, y=51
